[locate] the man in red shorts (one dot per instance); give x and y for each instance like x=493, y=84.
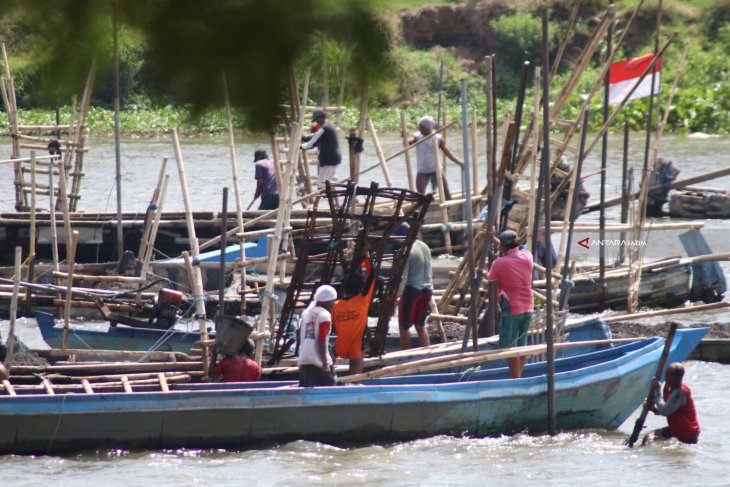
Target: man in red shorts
x=414, y=305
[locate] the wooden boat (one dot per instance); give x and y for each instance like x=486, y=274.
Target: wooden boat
x=118, y=337
x=596, y=390
x=701, y=203
x=664, y=288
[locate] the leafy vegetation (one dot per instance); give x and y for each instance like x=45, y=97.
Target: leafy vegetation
x=158, y=93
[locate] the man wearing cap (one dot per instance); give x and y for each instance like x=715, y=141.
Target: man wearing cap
x=513, y=273
x=266, y=186
x=315, y=362
x=425, y=158
x=329, y=147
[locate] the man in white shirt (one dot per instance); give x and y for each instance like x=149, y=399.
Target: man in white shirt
x=315, y=362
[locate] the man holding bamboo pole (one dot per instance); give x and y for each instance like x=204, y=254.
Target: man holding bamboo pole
x=425, y=158
x=513, y=273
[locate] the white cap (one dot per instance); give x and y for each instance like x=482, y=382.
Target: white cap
x=325, y=293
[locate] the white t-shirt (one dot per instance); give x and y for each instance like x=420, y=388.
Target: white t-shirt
x=314, y=320
x=425, y=163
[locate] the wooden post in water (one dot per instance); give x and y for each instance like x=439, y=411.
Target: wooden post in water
x=474, y=160
x=490, y=127
x=117, y=135
x=533, y=167
x=604, y=158
x=236, y=187
x=14, y=304
x=71, y=242
x=551, y=410
x=624, y=192
x=650, y=112
x=442, y=196
x=64, y=204
x=572, y=210
x=32, y=239
x=52, y=211
x=474, y=304
x=406, y=138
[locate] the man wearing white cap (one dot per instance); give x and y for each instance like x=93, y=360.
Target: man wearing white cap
x=315, y=362
x=425, y=159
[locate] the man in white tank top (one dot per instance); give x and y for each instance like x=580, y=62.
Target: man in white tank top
x=425, y=161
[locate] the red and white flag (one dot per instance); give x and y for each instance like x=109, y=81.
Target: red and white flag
x=625, y=74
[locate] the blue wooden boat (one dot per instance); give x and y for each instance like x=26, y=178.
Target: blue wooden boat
x=598, y=390
x=118, y=337
x=233, y=252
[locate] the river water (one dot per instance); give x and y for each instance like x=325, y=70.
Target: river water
x=571, y=458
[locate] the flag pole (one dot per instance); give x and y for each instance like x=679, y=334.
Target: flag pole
x=650, y=113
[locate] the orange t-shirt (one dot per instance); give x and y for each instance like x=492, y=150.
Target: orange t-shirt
x=350, y=316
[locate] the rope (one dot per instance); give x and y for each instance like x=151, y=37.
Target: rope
x=170, y=331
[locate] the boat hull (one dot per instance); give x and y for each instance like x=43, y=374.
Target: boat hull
x=598, y=390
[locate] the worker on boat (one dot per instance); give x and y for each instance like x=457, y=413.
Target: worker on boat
x=315, y=363
x=425, y=158
x=676, y=403
x=416, y=292
x=329, y=147
x=239, y=367
x=266, y=186
x=541, y=255
x=513, y=273
x=350, y=314
x=3, y=370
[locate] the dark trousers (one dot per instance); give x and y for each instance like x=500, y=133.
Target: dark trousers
x=270, y=202
x=312, y=376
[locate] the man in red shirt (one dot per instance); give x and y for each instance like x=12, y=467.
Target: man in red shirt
x=677, y=405
x=239, y=368
x=513, y=273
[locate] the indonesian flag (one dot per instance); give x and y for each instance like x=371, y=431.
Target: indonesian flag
x=624, y=75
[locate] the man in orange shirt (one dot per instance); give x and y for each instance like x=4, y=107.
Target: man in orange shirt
x=350, y=314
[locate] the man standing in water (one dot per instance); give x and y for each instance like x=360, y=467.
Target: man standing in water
x=425, y=158
x=329, y=147
x=266, y=186
x=676, y=403
x=513, y=273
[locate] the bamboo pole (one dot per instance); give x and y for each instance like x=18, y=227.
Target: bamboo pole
x=490, y=126
x=152, y=211
x=341, y=94
x=474, y=161
x=355, y=162
x=442, y=197
x=467, y=358
x=32, y=236
x=406, y=138
x=197, y=279
x=52, y=212
x=14, y=305
x=379, y=152
x=150, y=246
x=533, y=167
x=70, y=258
x=284, y=209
